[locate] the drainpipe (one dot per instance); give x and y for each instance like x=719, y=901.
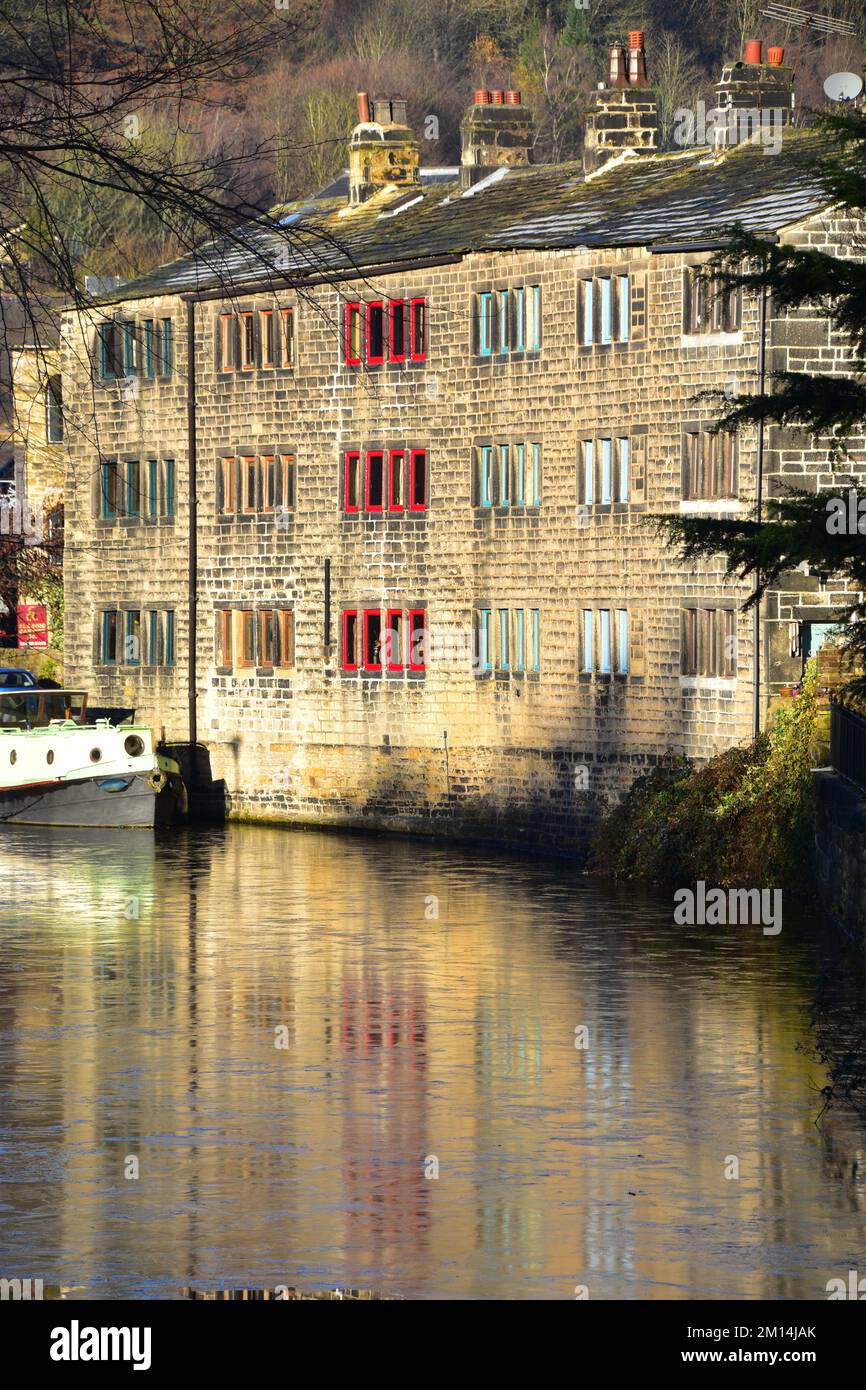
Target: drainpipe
x=759, y=490
x=193, y=537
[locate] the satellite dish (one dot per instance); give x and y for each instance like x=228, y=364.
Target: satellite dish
x=843, y=86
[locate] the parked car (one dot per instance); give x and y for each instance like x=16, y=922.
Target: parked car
x=14, y=678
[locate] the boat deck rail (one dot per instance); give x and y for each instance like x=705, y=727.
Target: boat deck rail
x=31, y=707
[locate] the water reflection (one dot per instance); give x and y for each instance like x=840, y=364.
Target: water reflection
x=280, y=1031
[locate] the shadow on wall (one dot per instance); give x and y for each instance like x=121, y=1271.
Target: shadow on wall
x=208, y=800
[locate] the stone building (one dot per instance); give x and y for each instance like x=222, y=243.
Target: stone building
x=363, y=510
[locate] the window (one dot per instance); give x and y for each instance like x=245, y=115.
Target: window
x=397, y=330
x=244, y=637
x=54, y=410
x=534, y=325
x=110, y=359
x=130, y=350
x=225, y=633
x=168, y=653
x=519, y=639
x=396, y=470
x=588, y=311
x=249, y=471
x=504, y=633
x=227, y=342
x=708, y=642
x=622, y=641
x=536, y=475
x=248, y=341
x=350, y=640
x=503, y=321
x=133, y=489
x=227, y=486
x=154, y=638
x=149, y=369
x=152, y=492
x=266, y=336
x=520, y=319
x=168, y=487
x=485, y=324
x=624, y=308
x=484, y=654
x=604, y=497
x=535, y=658
x=109, y=638
x=166, y=348
x=285, y=494
x=132, y=637
x=622, y=489
x=353, y=334
x=605, y=309
x=374, y=481
x=267, y=635
x=269, y=482
x=287, y=337
x=588, y=656
x=710, y=306
x=504, y=489
x=375, y=333
x=417, y=639
x=520, y=475
x=604, y=641
x=485, y=491
x=108, y=490
x=395, y=653
x=588, y=490
x=709, y=466
x=418, y=323
x=352, y=482
x=372, y=639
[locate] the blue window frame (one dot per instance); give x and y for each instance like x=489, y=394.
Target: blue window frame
x=623, y=470
x=168, y=487
x=153, y=638
x=133, y=488
x=605, y=472
x=588, y=473
x=132, y=637
x=586, y=664
x=108, y=487
x=624, y=308
x=108, y=354
x=519, y=640
x=148, y=347
x=622, y=640
x=130, y=350
x=152, y=497
x=485, y=324
x=166, y=348
x=534, y=318
x=486, y=479
x=519, y=319
x=503, y=640
x=484, y=661
x=108, y=637
x=536, y=640
x=504, y=490
x=503, y=321
x=168, y=638
x=604, y=641
x=605, y=309
x=519, y=478
x=536, y=475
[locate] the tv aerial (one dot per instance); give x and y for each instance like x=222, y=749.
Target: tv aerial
x=805, y=20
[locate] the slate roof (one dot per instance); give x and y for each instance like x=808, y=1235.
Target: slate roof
x=641, y=200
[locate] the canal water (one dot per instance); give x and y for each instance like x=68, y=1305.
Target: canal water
x=253, y=1057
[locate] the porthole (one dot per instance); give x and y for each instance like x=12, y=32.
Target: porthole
x=95, y=755
x=49, y=756
x=13, y=757
x=134, y=745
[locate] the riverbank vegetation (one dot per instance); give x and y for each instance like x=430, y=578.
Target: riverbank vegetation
x=742, y=818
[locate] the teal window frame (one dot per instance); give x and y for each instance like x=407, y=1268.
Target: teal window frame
x=535, y=615
x=148, y=349
x=624, y=308
x=519, y=639
x=520, y=469
x=485, y=663
x=622, y=641
x=504, y=653
x=504, y=489
x=588, y=641
x=129, y=616
x=106, y=511
x=520, y=319
x=153, y=638
x=168, y=638
x=130, y=364
x=536, y=475
x=485, y=323
x=168, y=487
x=588, y=472
x=622, y=493
x=503, y=322
x=110, y=622
x=152, y=496
x=486, y=476
x=588, y=325
x=132, y=487
x=605, y=310
x=605, y=490
x=165, y=348
x=107, y=363
x=535, y=318
x=605, y=653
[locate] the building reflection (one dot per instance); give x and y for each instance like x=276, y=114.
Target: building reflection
x=324, y=1089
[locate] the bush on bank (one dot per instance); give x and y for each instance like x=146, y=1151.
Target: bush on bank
x=743, y=818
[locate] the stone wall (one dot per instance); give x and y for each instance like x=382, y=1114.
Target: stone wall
x=840, y=842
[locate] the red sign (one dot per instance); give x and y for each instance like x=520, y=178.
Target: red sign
x=32, y=625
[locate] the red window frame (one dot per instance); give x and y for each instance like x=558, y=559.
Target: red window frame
x=227, y=342
x=287, y=337
x=369, y=307
x=392, y=355
x=347, y=614
x=368, y=614
x=393, y=456
x=413, y=614
x=267, y=330
x=414, y=306
x=347, y=504
x=414, y=455
x=353, y=307
x=247, y=364
x=400, y=663
x=368, y=505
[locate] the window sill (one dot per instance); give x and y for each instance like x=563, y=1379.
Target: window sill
x=696, y=684
x=721, y=506
x=734, y=339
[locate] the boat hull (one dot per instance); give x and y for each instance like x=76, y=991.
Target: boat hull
x=111, y=802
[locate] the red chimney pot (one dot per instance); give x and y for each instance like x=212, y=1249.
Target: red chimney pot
x=363, y=107
x=512, y=98
x=482, y=97
x=635, y=38
x=753, y=51
x=775, y=57
x=498, y=96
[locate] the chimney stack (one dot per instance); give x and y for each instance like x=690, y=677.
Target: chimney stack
x=752, y=92
x=383, y=151
x=626, y=111
x=496, y=132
